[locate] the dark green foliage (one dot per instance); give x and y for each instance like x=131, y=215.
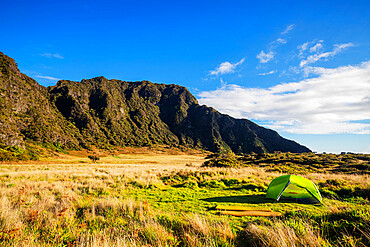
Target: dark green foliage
x=108, y=113
x=195, y=180
x=93, y=158
x=339, y=189
x=226, y=159
x=222, y=162
x=293, y=163
x=192, y=184
x=213, y=184
x=27, y=114
x=15, y=153
x=347, y=227
x=348, y=222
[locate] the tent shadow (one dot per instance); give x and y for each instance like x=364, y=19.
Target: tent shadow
x=251, y=199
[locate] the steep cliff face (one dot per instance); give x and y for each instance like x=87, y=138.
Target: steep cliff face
x=112, y=111
x=26, y=112
x=143, y=113
x=105, y=112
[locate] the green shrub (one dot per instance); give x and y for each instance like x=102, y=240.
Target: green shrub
x=15, y=153
x=213, y=184
x=192, y=184
x=231, y=181
x=93, y=158
x=328, y=193
x=254, y=186
x=224, y=162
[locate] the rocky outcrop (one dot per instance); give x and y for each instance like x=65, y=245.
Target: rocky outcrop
x=106, y=112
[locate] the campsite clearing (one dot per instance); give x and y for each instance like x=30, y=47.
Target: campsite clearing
x=162, y=199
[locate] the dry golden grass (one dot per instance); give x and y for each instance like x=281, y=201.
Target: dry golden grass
x=62, y=201
x=279, y=234
x=40, y=196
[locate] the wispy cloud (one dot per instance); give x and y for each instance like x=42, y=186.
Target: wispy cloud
x=302, y=48
x=316, y=47
x=312, y=46
x=265, y=57
x=281, y=41
x=268, y=73
x=288, y=29
x=226, y=68
x=316, y=57
x=330, y=103
x=47, y=77
x=51, y=55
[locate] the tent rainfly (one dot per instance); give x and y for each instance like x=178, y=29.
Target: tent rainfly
x=293, y=186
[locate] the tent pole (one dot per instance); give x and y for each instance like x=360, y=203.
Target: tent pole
x=277, y=199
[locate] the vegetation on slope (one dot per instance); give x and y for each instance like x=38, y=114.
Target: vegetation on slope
x=27, y=114
x=108, y=113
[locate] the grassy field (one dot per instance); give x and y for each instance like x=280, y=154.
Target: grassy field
x=141, y=197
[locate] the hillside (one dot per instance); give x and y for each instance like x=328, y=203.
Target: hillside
x=26, y=113
x=104, y=113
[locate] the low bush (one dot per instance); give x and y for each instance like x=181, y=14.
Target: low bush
x=15, y=153
x=213, y=184
x=292, y=163
x=223, y=162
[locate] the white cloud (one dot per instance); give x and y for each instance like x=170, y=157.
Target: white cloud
x=342, y=46
x=50, y=55
x=302, y=48
x=281, y=41
x=47, y=77
x=337, y=101
x=226, y=68
x=265, y=57
x=316, y=47
x=268, y=73
x=316, y=57
x=288, y=29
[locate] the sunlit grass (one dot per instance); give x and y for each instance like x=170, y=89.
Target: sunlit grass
x=156, y=199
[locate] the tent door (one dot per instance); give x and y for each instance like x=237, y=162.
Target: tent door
x=277, y=199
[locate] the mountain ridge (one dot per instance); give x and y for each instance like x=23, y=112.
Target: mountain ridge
x=112, y=112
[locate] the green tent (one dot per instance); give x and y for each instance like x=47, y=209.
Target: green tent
x=293, y=186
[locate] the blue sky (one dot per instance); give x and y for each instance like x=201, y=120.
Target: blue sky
x=299, y=67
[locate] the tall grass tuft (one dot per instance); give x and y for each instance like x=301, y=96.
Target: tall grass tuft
x=282, y=234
